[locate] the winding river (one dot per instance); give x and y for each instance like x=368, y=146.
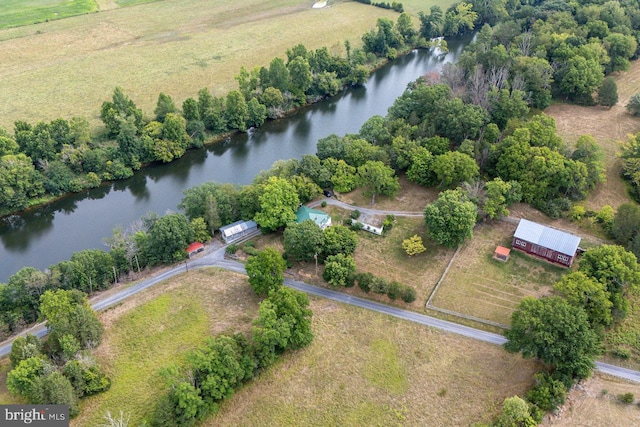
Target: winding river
x=51, y=233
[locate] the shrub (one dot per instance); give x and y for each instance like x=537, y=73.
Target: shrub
x=250, y=250
x=548, y=393
x=621, y=353
x=379, y=285
x=231, y=249
x=408, y=294
x=355, y=214
x=413, y=245
x=626, y=398
x=578, y=212
x=250, y=244
x=394, y=290
x=364, y=281
x=323, y=204
x=633, y=107
x=357, y=226
x=387, y=224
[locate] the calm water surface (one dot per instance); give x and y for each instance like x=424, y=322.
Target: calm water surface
x=82, y=221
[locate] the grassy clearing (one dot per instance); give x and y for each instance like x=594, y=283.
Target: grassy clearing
x=365, y=368
x=609, y=127
x=156, y=329
x=16, y=13
x=480, y=286
x=594, y=403
x=69, y=67
x=411, y=197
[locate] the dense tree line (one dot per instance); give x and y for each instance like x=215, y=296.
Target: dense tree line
x=61, y=156
x=61, y=370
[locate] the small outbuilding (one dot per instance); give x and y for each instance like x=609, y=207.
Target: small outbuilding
x=323, y=220
x=195, y=248
x=237, y=230
x=502, y=254
x=545, y=242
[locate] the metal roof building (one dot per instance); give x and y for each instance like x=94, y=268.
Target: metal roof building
x=546, y=242
x=236, y=230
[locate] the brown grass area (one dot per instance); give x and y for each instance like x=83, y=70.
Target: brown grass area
x=480, y=286
x=384, y=257
x=364, y=368
x=69, y=67
x=411, y=197
x=609, y=127
x=594, y=403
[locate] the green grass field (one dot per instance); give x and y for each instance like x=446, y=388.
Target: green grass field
x=16, y=13
x=479, y=286
x=387, y=372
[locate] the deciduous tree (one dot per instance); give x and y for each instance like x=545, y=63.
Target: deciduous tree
x=451, y=218
x=266, y=271
x=557, y=333
x=278, y=204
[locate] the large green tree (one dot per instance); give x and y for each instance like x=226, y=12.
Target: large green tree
x=303, y=241
x=266, y=271
x=586, y=292
x=278, y=204
x=557, y=333
x=168, y=238
x=378, y=178
x=617, y=269
x=451, y=218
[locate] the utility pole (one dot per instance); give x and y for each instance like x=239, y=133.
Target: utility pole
x=137, y=263
x=315, y=256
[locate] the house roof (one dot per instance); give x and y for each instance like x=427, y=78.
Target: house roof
x=304, y=213
x=548, y=237
x=237, y=227
x=195, y=246
x=501, y=250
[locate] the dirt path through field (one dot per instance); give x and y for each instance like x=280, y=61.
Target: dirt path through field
x=107, y=5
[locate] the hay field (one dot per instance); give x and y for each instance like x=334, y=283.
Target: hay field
x=68, y=67
x=15, y=13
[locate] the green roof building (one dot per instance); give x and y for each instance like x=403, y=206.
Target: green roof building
x=322, y=219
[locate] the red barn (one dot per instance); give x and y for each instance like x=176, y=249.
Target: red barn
x=545, y=242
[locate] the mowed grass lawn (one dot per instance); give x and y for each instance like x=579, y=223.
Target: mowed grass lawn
x=479, y=286
x=70, y=67
x=363, y=368
x=15, y=13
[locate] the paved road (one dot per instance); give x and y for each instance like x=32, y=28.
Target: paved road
x=215, y=258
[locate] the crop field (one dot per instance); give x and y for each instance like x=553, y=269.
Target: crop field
x=16, y=13
x=479, y=286
x=68, y=67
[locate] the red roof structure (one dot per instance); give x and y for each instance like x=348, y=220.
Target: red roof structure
x=194, y=248
x=501, y=253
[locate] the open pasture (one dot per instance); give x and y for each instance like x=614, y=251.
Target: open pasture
x=480, y=286
x=609, y=127
x=16, y=13
x=68, y=67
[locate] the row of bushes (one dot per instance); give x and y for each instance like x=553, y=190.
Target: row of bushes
x=369, y=282
x=398, y=7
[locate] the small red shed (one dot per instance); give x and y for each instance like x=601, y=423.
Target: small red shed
x=194, y=248
x=502, y=253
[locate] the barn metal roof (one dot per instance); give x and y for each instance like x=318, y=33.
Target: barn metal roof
x=237, y=227
x=548, y=237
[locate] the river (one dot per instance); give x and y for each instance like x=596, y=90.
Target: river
x=52, y=233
